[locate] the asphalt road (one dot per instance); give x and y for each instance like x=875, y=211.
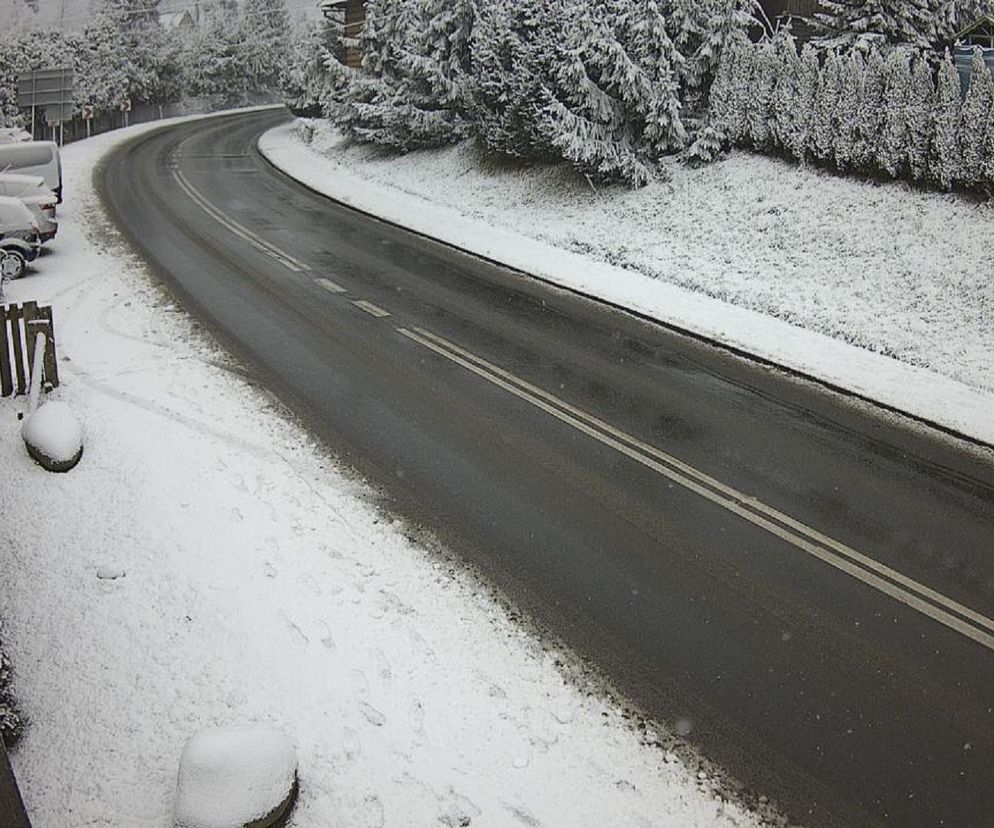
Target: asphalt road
x=806, y=582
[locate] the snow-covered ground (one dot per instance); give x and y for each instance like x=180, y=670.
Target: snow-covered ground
x=208, y=564
x=877, y=289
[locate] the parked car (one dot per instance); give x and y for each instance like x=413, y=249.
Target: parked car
x=37, y=198
x=34, y=158
x=19, y=236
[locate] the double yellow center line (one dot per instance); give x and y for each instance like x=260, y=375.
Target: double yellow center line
x=892, y=583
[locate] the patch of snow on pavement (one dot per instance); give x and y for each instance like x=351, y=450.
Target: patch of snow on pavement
x=876, y=289
x=262, y=588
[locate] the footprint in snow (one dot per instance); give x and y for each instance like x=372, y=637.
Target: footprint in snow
x=296, y=633
x=326, y=640
x=371, y=714
x=269, y=570
x=372, y=812
x=459, y=811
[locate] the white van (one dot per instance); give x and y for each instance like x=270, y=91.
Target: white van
x=39, y=158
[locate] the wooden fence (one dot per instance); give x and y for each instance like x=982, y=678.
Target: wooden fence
x=19, y=327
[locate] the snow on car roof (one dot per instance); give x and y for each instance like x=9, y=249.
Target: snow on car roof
x=13, y=211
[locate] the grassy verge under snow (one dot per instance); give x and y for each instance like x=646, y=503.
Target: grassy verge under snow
x=879, y=269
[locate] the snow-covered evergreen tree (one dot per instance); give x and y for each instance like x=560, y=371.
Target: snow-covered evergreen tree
x=213, y=63
x=973, y=122
x=782, y=107
x=619, y=109
x=307, y=82
x=744, y=56
x=987, y=167
x=713, y=138
x=943, y=162
x=374, y=107
x=436, y=79
x=892, y=145
x=760, y=103
x=702, y=30
x=129, y=34
x=846, y=118
x=266, y=31
x=870, y=118
x=517, y=49
x=921, y=95
x=868, y=24
x=805, y=89
x=826, y=102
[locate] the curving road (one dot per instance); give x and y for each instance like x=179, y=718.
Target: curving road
x=808, y=583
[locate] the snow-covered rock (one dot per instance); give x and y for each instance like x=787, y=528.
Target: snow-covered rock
x=54, y=436
x=236, y=777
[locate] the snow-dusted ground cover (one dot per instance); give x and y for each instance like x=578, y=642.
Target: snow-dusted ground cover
x=877, y=289
x=207, y=564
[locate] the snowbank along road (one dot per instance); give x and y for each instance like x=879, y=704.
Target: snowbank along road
x=803, y=583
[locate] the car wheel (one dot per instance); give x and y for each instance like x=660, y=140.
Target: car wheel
x=13, y=264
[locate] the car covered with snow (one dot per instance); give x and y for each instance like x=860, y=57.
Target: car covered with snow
x=38, y=198
x=39, y=158
x=20, y=239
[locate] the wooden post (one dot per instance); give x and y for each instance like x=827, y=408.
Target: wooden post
x=6, y=381
x=14, y=318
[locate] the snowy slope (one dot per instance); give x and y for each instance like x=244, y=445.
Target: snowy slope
x=207, y=564
x=878, y=290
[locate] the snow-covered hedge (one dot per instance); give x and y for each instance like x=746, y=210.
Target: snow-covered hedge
x=895, y=113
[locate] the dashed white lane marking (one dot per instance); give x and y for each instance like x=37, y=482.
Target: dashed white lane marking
x=896, y=585
x=370, y=308
x=330, y=286
x=285, y=259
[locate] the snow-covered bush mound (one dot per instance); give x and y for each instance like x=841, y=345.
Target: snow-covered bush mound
x=232, y=777
x=54, y=436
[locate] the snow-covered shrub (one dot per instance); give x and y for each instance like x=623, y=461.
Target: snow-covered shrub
x=944, y=160
x=782, y=109
x=846, y=115
x=973, y=123
x=826, y=104
x=870, y=116
x=893, y=140
x=758, y=107
x=921, y=95
x=11, y=724
x=804, y=98
x=897, y=113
